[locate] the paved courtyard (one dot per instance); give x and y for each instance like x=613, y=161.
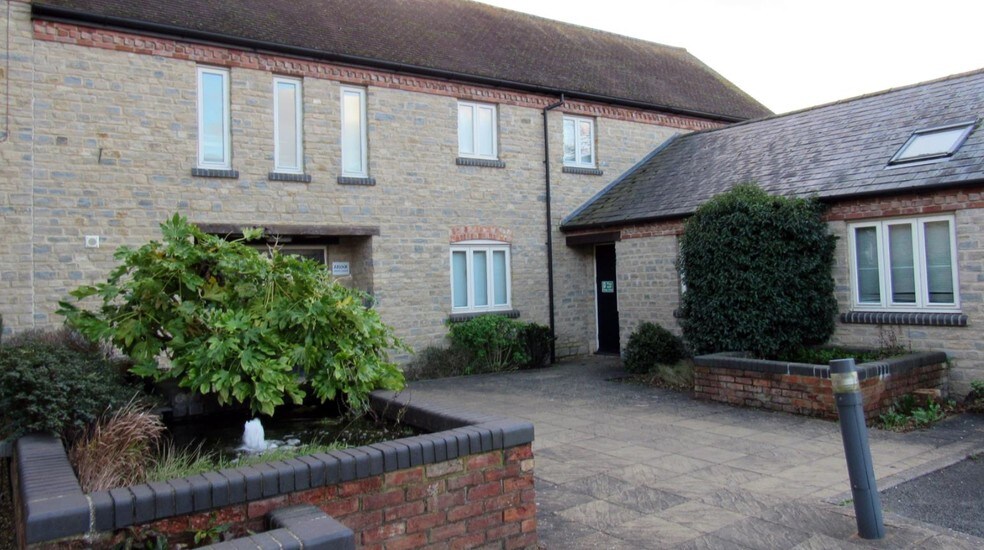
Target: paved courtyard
x=624, y=466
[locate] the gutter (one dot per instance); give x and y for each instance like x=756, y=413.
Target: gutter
x=550, y=273
x=55, y=13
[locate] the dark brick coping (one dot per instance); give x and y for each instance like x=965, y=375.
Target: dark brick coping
x=895, y=365
x=285, y=176
x=583, y=171
x=54, y=505
x=295, y=528
x=901, y=318
x=487, y=163
x=462, y=317
x=214, y=173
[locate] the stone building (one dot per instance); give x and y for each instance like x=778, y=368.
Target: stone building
x=427, y=151
x=902, y=174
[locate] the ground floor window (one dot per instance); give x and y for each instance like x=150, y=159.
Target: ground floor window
x=904, y=264
x=480, y=276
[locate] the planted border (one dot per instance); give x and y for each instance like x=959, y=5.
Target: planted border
x=471, y=478
x=799, y=388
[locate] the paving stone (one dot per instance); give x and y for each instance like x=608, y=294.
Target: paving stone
x=652, y=531
x=756, y=533
x=617, y=491
x=600, y=515
x=699, y=516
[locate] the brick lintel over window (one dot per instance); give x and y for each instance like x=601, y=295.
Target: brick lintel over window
x=480, y=233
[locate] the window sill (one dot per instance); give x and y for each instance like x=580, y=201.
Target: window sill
x=462, y=317
x=286, y=176
x=215, y=173
x=583, y=171
x=349, y=180
x=904, y=318
x=487, y=163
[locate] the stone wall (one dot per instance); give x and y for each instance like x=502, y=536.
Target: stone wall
x=104, y=137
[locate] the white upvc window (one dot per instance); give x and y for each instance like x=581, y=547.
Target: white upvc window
x=288, y=119
x=480, y=277
x=904, y=264
x=477, y=132
x=214, y=127
x=354, y=138
x=579, y=142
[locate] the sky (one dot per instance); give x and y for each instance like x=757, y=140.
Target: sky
x=792, y=54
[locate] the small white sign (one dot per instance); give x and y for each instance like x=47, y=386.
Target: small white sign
x=340, y=269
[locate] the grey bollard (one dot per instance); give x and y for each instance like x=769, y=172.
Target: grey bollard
x=867, y=502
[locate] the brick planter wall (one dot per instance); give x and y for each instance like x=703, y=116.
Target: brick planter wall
x=468, y=484
x=805, y=389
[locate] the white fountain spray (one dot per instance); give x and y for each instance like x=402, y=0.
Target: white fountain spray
x=253, y=437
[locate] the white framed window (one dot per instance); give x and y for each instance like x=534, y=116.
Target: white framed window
x=214, y=127
x=288, y=117
x=354, y=139
x=477, y=132
x=904, y=264
x=579, y=149
x=480, y=277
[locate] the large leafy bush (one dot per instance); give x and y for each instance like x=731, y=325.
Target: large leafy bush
x=493, y=340
x=244, y=326
x=57, y=382
x=650, y=345
x=758, y=274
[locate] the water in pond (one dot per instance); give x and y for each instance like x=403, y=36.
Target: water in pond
x=224, y=433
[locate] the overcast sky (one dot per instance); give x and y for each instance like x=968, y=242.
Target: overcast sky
x=790, y=54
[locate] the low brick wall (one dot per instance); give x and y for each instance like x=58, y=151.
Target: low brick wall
x=805, y=389
x=468, y=484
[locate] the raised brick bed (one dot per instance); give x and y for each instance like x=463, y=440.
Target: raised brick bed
x=470, y=483
x=805, y=389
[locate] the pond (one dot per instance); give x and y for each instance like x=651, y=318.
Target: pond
x=223, y=433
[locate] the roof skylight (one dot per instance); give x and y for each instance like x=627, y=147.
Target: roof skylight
x=933, y=143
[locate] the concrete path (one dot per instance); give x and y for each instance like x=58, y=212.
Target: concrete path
x=620, y=465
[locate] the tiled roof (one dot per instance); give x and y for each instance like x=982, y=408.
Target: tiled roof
x=832, y=151
x=457, y=37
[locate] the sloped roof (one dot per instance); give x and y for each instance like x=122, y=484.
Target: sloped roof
x=455, y=38
x=832, y=151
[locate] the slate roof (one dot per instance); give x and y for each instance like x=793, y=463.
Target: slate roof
x=446, y=37
x=832, y=151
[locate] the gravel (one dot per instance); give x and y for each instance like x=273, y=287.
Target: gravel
x=952, y=497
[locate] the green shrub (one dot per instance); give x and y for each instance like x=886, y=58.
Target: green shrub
x=239, y=324
x=536, y=340
x=650, y=345
x=758, y=274
x=56, y=382
x=437, y=362
x=494, y=341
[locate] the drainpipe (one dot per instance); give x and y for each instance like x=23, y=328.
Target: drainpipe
x=550, y=275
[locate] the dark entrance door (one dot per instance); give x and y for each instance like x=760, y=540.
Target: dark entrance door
x=607, y=297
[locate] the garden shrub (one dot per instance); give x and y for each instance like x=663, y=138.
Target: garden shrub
x=117, y=451
x=536, y=340
x=494, y=341
x=437, y=362
x=246, y=327
x=650, y=345
x=757, y=270
x=58, y=382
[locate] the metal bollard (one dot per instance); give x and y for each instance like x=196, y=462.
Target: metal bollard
x=867, y=503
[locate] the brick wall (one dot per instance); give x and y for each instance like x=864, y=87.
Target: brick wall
x=808, y=395
x=483, y=499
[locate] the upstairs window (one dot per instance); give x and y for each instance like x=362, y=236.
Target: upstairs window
x=477, y=130
x=214, y=137
x=480, y=279
x=579, y=142
x=904, y=264
x=354, y=139
x=934, y=143
x=288, y=118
